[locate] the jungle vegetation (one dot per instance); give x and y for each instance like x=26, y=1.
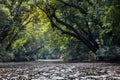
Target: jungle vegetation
x=77, y=30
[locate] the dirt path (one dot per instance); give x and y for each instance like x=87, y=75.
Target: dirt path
x=59, y=71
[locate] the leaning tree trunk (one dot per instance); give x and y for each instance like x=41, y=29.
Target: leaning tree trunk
x=34, y=52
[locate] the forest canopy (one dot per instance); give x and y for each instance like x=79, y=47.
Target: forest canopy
x=52, y=29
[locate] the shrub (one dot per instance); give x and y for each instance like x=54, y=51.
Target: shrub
x=5, y=56
x=91, y=56
x=109, y=53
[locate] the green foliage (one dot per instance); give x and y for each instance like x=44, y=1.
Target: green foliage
x=110, y=21
x=109, y=54
x=76, y=51
x=92, y=56
x=20, y=29
x=63, y=26
x=4, y=16
x=19, y=43
x=5, y=56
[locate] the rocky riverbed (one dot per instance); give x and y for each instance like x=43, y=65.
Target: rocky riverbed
x=59, y=71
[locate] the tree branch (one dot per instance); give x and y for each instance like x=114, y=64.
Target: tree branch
x=82, y=10
x=63, y=31
x=65, y=24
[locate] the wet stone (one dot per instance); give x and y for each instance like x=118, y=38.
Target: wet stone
x=59, y=71
x=57, y=78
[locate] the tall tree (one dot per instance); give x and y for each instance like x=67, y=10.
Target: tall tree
x=77, y=18
x=21, y=13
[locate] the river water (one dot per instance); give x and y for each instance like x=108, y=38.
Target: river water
x=42, y=70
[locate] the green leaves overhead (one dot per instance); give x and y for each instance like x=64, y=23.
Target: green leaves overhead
x=26, y=24
x=4, y=16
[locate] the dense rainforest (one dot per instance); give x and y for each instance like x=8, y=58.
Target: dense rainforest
x=72, y=30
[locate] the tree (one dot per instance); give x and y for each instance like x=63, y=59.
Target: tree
x=79, y=19
x=21, y=13
x=110, y=30
x=19, y=27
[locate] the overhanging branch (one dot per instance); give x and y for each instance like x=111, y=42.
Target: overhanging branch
x=82, y=10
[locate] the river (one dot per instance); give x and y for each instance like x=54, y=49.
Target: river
x=42, y=70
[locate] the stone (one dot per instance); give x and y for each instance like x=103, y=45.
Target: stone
x=58, y=78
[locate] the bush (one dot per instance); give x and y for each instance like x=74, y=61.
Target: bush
x=76, y=51
x=92, y=56
x=80, y=56
x=109, y=54
x=5, y=56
